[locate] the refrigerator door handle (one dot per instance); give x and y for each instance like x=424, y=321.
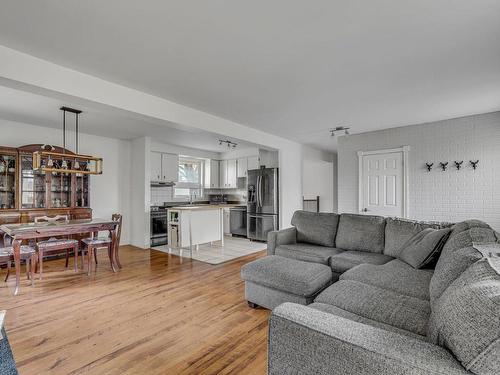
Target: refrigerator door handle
x=261, y=193
x=257, y=191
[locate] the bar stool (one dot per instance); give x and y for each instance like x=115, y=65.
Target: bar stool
x=28, y=254
x=56, y=244
x=94, y=243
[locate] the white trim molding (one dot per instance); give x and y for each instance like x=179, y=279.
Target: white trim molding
x=404, y=150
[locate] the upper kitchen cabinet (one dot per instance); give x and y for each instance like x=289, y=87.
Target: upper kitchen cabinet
x=164, y=167
x=214, y=175
x=170, y=167
x=227, y=174
x=242, y=164
x=156, y=175
x=252, y=163
x=223, y=174
x=231, y=174
x=268, y=159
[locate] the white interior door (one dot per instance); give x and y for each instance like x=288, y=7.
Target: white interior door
x=382, y=183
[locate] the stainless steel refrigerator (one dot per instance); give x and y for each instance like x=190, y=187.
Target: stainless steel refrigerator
x=263, y=203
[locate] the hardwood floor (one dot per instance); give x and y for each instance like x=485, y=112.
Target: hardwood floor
x=160, y=314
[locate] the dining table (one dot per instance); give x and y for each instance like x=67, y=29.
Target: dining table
x=33, y=231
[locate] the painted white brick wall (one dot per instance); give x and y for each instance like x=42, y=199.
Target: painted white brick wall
x=449, y=196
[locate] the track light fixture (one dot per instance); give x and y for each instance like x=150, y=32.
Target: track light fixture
x=227, y=143
x=339, y=130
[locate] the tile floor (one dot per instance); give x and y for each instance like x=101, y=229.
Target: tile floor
x=234, y=247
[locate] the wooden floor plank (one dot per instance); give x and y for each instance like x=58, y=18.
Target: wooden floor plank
x=160, y=314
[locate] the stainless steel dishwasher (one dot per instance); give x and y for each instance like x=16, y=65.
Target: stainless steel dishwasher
x=238, y=221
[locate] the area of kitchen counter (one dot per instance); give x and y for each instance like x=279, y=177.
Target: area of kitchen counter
x=205, y=206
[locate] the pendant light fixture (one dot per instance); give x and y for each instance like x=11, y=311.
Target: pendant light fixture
x=50, y=161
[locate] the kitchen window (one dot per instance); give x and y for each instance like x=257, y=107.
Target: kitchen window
x=190, y=177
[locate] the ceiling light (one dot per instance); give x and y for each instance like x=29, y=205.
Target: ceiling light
x=227, y=143
x=70, y=162
x=339, y=130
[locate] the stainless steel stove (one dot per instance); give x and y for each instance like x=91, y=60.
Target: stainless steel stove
x=159, y=227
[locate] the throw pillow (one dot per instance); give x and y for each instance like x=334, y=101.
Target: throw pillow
x=423, y=248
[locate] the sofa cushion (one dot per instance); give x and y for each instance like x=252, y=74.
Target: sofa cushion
x=361, y=232
x=307, y=252
x=423, y=248
x=398, y=231
x=466, y=318
x=349, y=259
x=395, y=275
x=457, y=255
x=289, y=275
x=316, y=228
x=459, y=237
x=361, y=319
x=381, y=305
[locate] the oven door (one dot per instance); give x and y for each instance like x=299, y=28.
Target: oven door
x=158, y=229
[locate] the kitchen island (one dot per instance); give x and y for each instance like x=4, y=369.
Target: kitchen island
x=192, y=225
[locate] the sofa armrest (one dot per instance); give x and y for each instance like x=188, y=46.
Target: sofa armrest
x=303, y=340
x=280, y=237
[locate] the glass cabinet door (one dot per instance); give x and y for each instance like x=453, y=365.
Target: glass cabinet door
x=82, y=190
x=8, y=169
x=32, y=185
x=60, y=190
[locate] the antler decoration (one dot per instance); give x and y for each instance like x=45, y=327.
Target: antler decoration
x=443, y=165
x=458, y=164
x=473, y=164
x=429, y=166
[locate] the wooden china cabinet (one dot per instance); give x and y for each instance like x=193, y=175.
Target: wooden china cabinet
x=26, y=193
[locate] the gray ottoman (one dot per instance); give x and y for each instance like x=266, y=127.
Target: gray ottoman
x=272, y=280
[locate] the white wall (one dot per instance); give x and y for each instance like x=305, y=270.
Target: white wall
x=140, y=196
x=186, y=151
x=290, y=164
x=239, y=153
x=318, y=169
x=452, y=195
x=109, y=192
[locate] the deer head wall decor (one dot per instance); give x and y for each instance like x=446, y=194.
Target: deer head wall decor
x=443, y=166
x=458, y=164
x=429, y=166
x=474, y=164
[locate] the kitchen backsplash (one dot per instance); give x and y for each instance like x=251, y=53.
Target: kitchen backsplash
x=161, y=194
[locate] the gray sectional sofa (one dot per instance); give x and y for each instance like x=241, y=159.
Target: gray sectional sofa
x=348, y=297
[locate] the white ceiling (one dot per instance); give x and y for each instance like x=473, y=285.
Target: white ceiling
x=290, y=67
x=29, y=108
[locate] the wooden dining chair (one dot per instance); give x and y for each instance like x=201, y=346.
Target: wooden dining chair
x=28, y=254
x=97, y=242
x=53, y=244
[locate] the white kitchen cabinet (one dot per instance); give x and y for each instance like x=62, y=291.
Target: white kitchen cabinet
x=227, y=174
x=231, y=174
x=242, y=165
x=214, y=174
x=252, y=162
x=156, y=175
x=269, y=159
x=170, y=167
x=223, y=174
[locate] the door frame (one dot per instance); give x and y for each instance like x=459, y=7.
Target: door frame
x=404, y=150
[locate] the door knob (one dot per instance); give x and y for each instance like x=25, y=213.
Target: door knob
x=365, y=209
